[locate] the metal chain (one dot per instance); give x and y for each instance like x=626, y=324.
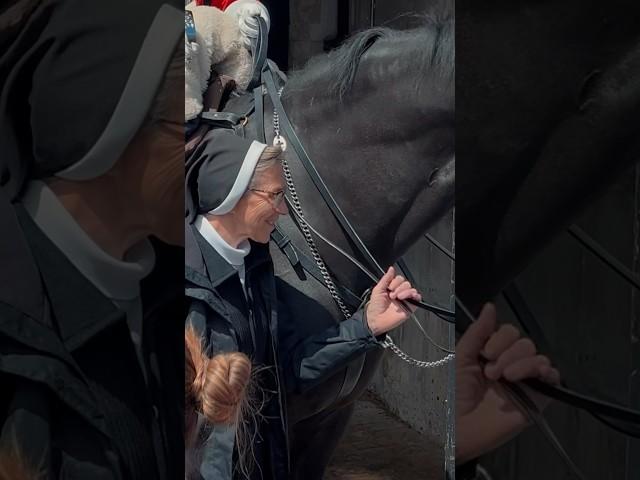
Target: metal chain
x=278, y=140
x=387, y=342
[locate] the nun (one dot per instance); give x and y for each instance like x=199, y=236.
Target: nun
x=235, y=194
x=91, y=257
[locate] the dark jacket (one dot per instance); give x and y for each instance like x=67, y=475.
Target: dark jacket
x=217, y=308
x=73, y=398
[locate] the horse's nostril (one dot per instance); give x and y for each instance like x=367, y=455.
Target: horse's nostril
x=434, y=176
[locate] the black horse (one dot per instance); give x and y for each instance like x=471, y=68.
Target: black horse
x=377, y=119
x=548, y=116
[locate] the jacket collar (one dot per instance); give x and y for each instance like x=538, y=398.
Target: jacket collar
x=234, y=256
x=80, y=309
x=205, y=267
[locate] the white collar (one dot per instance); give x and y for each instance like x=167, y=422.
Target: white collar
x=116, y=279
x=233, y=256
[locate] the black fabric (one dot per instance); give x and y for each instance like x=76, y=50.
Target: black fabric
x=74, y=397
x=77, y=403
x=212, y=170
x=62, y=73
x=219, y=309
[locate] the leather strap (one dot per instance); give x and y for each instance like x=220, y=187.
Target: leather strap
x=404, y=270
x=258, y=105
x=259, y=52
x=220, y=119
x=284, y=244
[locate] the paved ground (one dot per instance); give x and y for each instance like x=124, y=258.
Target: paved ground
x=379, y=446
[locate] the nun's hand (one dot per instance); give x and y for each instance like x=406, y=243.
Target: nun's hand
x=486, y=417
x=385, y=310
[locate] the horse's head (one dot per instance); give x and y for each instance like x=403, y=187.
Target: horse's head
x=542, y=130
x=377, y=118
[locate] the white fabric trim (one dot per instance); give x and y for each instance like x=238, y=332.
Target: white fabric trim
x=144, y=80
x=119, y=280
x=233, y=256
x=242, y=180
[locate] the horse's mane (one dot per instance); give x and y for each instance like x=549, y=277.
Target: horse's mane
x=431, y=50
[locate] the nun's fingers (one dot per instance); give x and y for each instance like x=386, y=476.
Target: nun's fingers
x=550, y=375
x=409, y=293
x=500, y=341
x=396, y=282
x=478, y=334
x=400, y=288
x=538, y=366
x=521, y=349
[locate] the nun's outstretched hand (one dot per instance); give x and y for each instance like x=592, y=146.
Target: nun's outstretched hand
x=386, y=309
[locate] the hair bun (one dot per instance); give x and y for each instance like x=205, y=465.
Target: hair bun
x=217, y=386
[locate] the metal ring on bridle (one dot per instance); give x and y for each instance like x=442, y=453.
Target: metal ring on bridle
x=279, y=141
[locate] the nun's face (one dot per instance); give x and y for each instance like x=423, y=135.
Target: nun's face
x=260, y=207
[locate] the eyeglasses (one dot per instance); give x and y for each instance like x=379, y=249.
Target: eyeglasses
x=276, y=198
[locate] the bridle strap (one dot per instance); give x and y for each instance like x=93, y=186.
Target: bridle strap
x=609, y=260
x=258, y=105
x=259, y=47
